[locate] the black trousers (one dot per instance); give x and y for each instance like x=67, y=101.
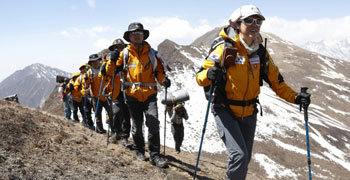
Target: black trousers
x=178, y=133
x=125, y=116
x=76, y=106
x=101, y=104
x=88, y=108
x=150, y=110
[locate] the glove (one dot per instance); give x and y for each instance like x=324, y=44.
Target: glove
x=70, y=87
x=215, y=73
x=115, y=55
x=302, y=98
x=103, y=70
x=166, y=82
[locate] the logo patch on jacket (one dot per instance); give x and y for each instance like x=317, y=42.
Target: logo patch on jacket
x=240, y=60
x=132, y=65
x=255, y=60
x=213, y=56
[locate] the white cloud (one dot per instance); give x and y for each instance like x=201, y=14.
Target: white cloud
x=102, y=43
x=80, y=32
x=97, y=29
x=91, y=3
x=173, y=28
x=299, y=32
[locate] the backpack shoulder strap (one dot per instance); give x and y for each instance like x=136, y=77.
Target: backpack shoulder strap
x=264, y=65
x=125, y=58
x=153, y=58
x=218, y=41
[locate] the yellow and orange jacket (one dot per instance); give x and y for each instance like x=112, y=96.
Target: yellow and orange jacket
x=75, y=90
x=108, y=79
x=117, y=84
x=93, y=82
x=242, y=78
x=79, y=84
x=138, y=70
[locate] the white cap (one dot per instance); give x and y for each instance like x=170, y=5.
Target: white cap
x=244, y=12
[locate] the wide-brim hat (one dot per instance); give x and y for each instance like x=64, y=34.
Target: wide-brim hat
x=94, y=57
x=135, y=26
x=244, y=12
x=116, y=43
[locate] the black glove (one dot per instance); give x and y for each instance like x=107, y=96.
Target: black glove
x=103, y=69
x=303, y=98
x=115, y=55
x=166, y=82
x=215, y=73
x=70, y=87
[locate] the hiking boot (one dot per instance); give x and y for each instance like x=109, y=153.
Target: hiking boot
x=128, y=145
x=113, y=138
x=177, y=149
x=159, y=162
x=101, y=131
x=140, y=156
x=76, y=121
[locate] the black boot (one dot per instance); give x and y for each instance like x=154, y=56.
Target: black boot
x=99, y=128
x=159, y=162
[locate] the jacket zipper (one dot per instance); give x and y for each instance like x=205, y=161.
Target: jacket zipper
x=245, y=94
x=140, y=72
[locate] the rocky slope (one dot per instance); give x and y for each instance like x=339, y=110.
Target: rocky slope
x=37, y=145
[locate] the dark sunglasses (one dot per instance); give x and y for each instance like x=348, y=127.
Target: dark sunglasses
x=137, y=33
x=249, y=21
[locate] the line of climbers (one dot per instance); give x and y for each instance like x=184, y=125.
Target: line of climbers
x=232, y=73
x=123, y=80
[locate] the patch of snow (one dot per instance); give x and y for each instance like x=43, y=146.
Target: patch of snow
x=339, y=111
x=273, y=169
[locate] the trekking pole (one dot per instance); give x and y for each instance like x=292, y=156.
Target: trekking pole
x=85, y=109
x=166, y=92
x=304, y=105
x=98, y=100
x=111, y=119
x=205, y=124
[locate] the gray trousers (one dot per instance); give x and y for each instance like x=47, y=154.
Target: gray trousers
x=238, y=137
x=150, y=110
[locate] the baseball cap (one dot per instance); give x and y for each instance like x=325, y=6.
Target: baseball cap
x=244, y=12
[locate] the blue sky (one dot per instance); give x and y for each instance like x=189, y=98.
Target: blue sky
x=63, y=33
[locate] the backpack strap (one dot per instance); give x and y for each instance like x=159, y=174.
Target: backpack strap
x=153, y=59
x=125, y=58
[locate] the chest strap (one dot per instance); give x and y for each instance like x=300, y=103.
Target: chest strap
x=245, y=103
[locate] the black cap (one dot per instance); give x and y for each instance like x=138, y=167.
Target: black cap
x=94, y=57
x=135, y=26
x=116, y=43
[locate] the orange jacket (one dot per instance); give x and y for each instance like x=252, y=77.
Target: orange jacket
x=93, y=82
x=117, y=84
x=242, y=78
x=139, y=71
x=76, y=93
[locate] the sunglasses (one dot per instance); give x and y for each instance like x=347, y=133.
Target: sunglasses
x=137, y=33
x=249, y=21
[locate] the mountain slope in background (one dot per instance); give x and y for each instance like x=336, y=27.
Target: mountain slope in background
x=335, y=49
x=33, y=84
x=280, y=147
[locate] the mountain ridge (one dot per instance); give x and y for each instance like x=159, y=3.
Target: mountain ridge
x=33, y=84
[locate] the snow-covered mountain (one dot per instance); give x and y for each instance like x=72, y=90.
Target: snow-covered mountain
x=33, y=84
x=280, y=147
x=335, y=49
